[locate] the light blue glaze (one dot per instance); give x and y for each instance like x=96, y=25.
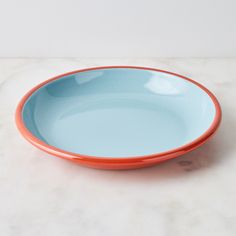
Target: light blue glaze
x=118, y=112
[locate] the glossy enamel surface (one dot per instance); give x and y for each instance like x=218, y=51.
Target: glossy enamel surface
x=118, y=117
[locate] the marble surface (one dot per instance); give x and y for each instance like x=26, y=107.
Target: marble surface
x=191, y=195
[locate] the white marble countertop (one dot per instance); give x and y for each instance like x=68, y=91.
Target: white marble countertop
x=191, y=195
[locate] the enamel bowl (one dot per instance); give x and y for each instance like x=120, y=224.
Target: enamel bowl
x=118, y=117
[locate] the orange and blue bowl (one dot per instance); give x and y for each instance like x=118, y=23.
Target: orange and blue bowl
x=118, y=117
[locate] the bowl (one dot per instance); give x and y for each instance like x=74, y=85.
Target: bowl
x=118, y=117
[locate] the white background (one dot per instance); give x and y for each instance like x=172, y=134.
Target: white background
x=122, y=28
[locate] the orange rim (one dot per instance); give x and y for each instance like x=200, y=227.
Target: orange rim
x=109, y=160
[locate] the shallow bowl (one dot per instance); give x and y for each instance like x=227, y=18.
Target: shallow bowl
x=118, y=117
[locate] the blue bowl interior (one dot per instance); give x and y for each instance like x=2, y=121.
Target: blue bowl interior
x=118, y=112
